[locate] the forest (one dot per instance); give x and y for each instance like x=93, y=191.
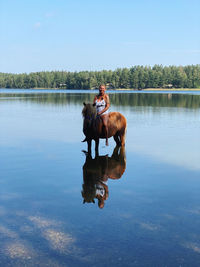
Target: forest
x=136, y=77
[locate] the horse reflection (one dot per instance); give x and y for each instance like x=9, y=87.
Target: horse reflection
x=96, y=173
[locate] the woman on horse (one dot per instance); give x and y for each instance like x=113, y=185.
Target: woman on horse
x=102, y=103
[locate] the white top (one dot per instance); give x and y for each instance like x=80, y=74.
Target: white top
x=100, y=190
x=100, y=105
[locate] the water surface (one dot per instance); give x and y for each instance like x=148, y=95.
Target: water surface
x=151, y=213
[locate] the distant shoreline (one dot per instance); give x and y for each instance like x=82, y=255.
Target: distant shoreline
x=118, y=89
x=126, y=89
x=173, y=89
x=159, y=89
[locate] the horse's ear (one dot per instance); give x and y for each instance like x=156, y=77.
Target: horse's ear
x=94, y=104
x=84, y=104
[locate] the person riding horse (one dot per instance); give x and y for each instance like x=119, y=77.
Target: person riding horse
x=99, y=123
x=102, y=103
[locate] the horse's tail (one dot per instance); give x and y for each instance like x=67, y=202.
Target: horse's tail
x=124, y=132
x=126, y=127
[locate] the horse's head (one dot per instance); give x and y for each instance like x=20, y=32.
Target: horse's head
x=89, y=111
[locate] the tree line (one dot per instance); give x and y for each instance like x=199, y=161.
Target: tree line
x=136, y=77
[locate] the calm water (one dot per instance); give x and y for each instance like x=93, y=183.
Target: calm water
x=151, y=212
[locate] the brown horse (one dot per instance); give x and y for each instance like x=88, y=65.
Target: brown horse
x=93, y=127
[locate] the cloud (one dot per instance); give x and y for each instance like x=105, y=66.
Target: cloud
x=42, y=222
x=137, y=43
x=37, y=25
x=185, y=51
x=193, y=51
x=19, y=250
x=193, y=246
x=150, y=227
x=49, y=15
x=58, y=240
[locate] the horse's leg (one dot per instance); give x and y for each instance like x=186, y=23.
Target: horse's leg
x=122, y=137
x=116, y=138
x=115, y=152
x=122, y=153
x=97, y=147
x=89, y=142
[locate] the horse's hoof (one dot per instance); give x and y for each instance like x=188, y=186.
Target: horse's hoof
x=84, y=140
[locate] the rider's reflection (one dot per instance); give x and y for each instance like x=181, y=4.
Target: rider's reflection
x=96, y=173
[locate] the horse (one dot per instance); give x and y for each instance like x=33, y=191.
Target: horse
x=97, y=171
x=94, y=130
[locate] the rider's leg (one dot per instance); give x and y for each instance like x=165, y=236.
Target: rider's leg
x=105, y=125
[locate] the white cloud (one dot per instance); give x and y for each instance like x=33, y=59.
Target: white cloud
x=193, y=246
x=37, y=25
x=49, y=15
x=136, y=43
x=193, y=51
x=185, y=51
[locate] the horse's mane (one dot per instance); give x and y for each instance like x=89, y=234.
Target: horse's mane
x=89, y=111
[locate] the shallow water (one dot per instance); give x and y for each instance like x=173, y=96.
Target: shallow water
x=151, y=216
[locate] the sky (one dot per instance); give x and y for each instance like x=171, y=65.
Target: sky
x=76, y=35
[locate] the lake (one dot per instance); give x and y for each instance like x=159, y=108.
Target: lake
x=151, y=211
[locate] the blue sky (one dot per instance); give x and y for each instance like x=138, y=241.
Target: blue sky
x=46, y=35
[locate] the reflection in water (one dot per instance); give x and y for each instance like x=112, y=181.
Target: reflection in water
x=119, y=99
x=96, y=173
